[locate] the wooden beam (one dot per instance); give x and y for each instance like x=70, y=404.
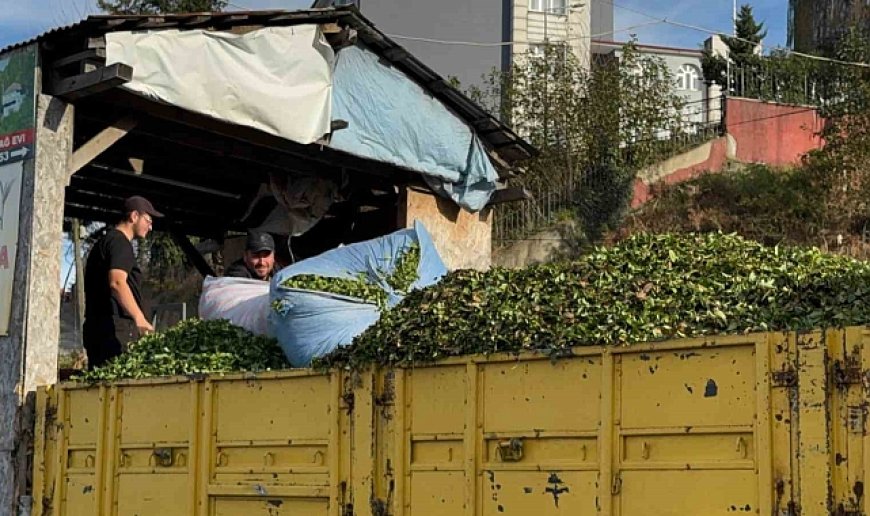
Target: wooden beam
x=91, y=55
x=99, y=143
x=168, y=182
x=192, y=254
x=82, y=85
x=509, y=195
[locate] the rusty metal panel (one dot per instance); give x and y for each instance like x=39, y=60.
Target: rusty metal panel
x=151, y=462
x=539, y=432
x=686, y=422
x=762, y=424
x=783, y=412
x=848, y=406
x=814, y=444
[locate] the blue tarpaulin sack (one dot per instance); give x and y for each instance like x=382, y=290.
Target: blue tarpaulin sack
x=310, y=324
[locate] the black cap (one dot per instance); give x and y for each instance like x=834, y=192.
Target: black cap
x=140, y=204
x=259, y=241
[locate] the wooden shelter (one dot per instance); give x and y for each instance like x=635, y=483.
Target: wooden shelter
x=93, y=144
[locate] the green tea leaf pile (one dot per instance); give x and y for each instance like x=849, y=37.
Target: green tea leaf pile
x=647, y=288
x=402, y=277
x=192, y=347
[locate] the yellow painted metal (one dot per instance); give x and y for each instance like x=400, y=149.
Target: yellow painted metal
x=814, y=445
x=760, y=424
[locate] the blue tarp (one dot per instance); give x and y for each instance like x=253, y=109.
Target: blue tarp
x=310, y=324
x=394, y=120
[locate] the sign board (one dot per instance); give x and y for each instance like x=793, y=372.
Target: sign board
x=17, y=139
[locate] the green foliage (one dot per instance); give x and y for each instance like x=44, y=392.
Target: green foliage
x=160, y=6
x=749, y=35
x=760, y=203
x=595, y=127
x=360, y=287
x=647, y=288
x=404, y=274
x=193, y=347
x=741, y=48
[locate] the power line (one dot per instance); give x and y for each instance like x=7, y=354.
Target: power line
x=720, y=33
x=519, y=42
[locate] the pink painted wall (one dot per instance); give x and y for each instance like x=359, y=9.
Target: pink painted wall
x=764, y=132
x=775, y=134
x=714, y=163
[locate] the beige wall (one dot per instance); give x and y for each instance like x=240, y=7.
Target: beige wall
x=463, y=239
x=574, y=27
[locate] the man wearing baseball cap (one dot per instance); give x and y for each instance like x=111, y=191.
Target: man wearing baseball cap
x=258, y=261
x=115, y=313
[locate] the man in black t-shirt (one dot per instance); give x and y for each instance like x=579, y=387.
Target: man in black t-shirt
x=115, y=313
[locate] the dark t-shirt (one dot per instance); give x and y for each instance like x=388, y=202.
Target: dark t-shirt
x=239, y=269
x=112, y=251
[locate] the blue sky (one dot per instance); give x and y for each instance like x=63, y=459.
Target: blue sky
x=23, y=19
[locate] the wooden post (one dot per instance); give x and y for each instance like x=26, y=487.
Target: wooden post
x=28, y=353
x=75, y=231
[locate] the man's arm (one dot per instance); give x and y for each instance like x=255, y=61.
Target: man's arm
x=122, y=292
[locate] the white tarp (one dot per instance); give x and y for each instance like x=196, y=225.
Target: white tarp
x=276, y=79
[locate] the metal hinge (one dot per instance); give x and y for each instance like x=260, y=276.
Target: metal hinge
x=787, y=378
x=616, y=486
x=847, y=373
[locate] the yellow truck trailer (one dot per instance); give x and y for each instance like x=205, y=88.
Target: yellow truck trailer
x=772, y=424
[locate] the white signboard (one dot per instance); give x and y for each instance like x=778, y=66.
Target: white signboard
x=10, y=200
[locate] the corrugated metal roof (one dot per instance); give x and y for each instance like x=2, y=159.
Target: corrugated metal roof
x=498, y=137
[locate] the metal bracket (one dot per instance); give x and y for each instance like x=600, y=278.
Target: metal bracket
x=786, y=378
x=510, y=451
x=162, y=457
x=847, y=373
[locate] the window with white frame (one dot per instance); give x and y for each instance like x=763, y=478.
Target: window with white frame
x=549, y=6
x=689, y=78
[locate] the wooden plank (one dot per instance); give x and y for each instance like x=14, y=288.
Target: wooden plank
x=100, y=143
x=101, y=79
x=144, y=178
x=509, y=195
x=192, y=254
x=93, y=54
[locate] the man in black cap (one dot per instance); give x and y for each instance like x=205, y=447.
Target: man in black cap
x=258, y=261
x=115, y=313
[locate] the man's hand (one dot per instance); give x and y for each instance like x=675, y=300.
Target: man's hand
x=144, y=327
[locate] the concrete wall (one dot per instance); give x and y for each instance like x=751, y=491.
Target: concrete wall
x=709, y=157
x=28, y=355
x=456, y=20
x=775, y=134
x=601, y=22
x=535, y=27
x=463, y=239
x=757, y=132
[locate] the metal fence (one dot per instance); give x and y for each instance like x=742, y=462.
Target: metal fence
x=773, y=82
x=563, y=200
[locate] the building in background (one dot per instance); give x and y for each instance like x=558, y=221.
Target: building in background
x=522, y=26
x=702, y=101
x=815, y=25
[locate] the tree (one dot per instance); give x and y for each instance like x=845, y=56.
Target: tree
x=595, y=127
x=160, y=6
x=742, y=49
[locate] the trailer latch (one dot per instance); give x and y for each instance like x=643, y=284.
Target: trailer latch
x=511, y=451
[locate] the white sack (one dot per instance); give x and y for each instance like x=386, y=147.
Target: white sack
x=276, y=79
x=244, y=302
